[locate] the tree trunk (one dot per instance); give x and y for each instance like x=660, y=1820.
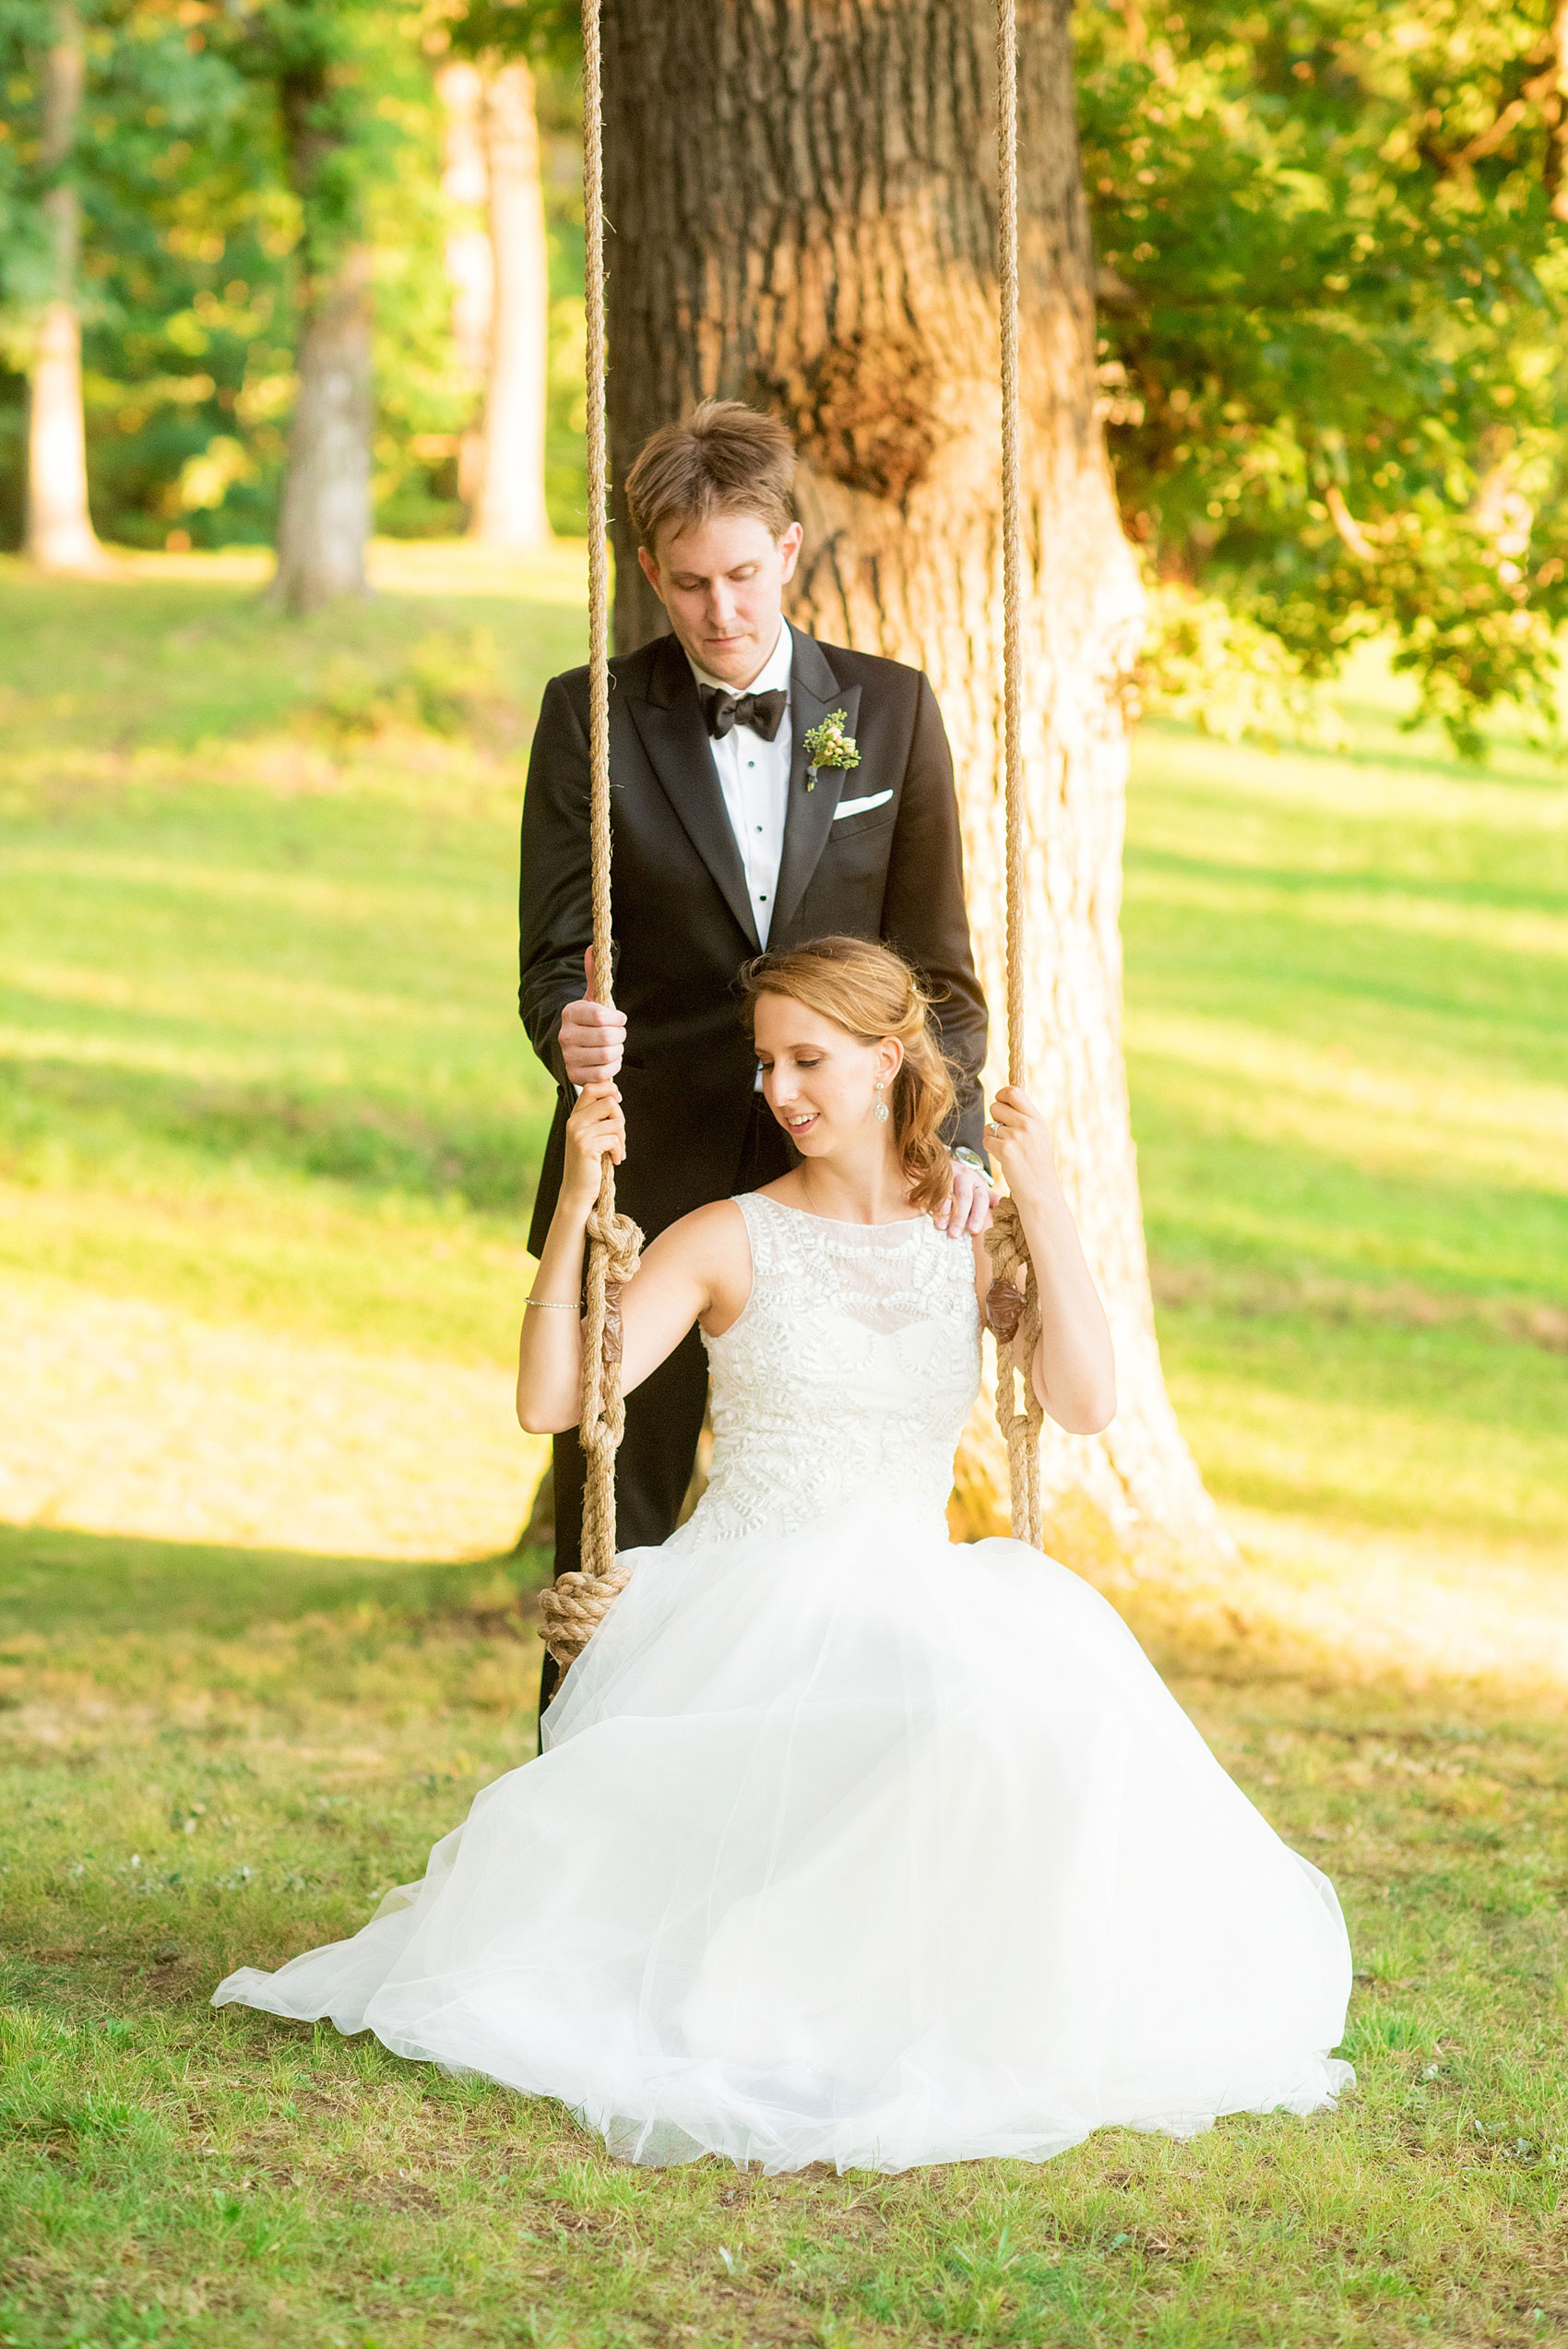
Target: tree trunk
x=509, y=509
x=59, y=527
x=326, y=514
x=471, y=271
x=804, y=207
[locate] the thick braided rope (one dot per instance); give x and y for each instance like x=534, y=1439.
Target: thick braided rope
x=572, y=1610
x=595, y=369
x=1013, y=1308
x=1012, y=524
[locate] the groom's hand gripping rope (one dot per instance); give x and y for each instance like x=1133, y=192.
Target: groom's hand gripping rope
x=592, y=1035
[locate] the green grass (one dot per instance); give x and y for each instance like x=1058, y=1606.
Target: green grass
x=1347, y=1006
x=258, y=1043
x=189, y=1799
x=259, y=1064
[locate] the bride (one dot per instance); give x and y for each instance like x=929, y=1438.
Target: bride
x=850, y=1843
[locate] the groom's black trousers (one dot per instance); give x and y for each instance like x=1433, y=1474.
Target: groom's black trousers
x=653, y=1468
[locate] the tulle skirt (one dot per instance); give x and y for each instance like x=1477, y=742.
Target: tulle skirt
x=851, y=1845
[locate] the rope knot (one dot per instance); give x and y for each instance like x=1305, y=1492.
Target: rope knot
x=1013, y=1313
x=619, y=1237
x=571, y=1610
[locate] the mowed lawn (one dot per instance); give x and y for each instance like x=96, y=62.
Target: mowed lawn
x=266, y=1134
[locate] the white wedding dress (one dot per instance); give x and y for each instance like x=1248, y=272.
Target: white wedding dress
x=850, y=1843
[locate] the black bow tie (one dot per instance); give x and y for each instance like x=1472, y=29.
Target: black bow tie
x=762, y=713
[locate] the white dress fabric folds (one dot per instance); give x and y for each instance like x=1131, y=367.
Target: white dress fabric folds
x=850, y=1843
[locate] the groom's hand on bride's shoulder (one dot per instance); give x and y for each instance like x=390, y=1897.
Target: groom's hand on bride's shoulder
x=592, y=1036
x=966, y=1211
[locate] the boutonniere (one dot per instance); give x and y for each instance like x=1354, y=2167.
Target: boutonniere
x=830, y=744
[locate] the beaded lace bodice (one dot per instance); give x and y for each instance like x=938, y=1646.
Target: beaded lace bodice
x=853, y=1365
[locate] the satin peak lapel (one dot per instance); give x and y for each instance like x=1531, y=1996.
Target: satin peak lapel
x=814, y=694
x=670, y=721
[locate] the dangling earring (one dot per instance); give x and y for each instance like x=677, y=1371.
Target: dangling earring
x=880, y=1112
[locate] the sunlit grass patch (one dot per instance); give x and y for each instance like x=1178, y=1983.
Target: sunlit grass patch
x=1348, y=995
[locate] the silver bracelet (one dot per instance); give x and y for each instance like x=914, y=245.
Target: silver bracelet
x=556, y=1305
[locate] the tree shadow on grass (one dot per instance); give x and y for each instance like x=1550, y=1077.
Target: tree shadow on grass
x=56, y=1580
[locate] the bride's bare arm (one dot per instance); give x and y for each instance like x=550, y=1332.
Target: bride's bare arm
x=1074, y=1367
x=698, y=1270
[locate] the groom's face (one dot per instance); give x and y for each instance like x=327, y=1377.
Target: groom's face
x=723, y=583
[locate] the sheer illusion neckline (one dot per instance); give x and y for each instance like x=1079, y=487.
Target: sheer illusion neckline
x=841, y=1223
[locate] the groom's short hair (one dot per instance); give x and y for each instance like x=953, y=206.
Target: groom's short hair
x=724, y=459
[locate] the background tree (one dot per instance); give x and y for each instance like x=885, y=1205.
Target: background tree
x=501, y=294
x=1333, y=273
x=318, y=60
x=506, y=42
x=804, y=214
x=99, y=159
x=467, y=251
x=60, y=535
x=509, y=506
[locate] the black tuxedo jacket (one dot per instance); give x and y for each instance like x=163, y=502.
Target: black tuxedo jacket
x=682, y=919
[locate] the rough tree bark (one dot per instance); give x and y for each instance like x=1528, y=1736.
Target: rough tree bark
x=324, y=518
x=59, y=535
x=803, y=199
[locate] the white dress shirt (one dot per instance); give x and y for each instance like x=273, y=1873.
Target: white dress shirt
x=754, y=776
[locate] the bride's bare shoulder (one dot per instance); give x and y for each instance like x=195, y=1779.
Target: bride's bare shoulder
x=719, y=1216
x=711, y=1235
x=710, y=1249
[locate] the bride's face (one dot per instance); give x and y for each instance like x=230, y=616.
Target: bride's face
x=820, y=1081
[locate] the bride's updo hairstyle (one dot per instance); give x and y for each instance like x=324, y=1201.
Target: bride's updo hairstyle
x=871, y=992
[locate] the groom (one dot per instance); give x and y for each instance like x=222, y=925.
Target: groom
x=766, y=789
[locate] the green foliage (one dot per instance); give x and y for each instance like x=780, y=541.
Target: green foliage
x=345, y=82
x=547, y=31
x=1331, y=323
x=224, y=155
x=180, y=266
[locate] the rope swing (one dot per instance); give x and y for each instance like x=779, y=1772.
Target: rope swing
x=1013, y=1310
x=572, y=1610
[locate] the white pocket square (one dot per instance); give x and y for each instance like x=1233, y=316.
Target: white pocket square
x=858, y=806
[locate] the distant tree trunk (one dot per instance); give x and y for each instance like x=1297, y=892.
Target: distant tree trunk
x=471, y=271
x=60, y=535
x=325, y=518
x=804, y=209
x=509, y=509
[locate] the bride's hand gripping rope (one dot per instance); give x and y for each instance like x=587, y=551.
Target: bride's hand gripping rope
x=1072, y=1366
x=595, y=1131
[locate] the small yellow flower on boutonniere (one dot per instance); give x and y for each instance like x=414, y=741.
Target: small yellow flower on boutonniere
x=830, y=744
